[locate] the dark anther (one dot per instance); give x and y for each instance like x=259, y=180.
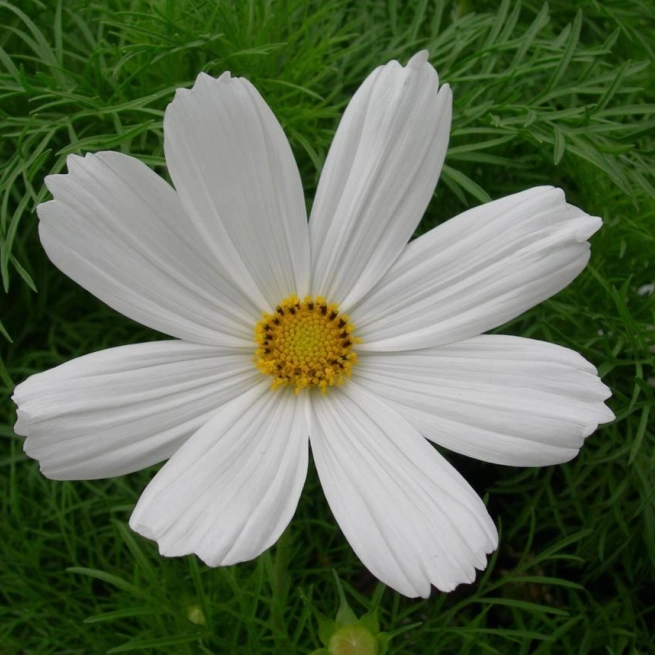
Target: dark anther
x=292, y=310
x=342, y=323
x=344, y=335
x=267, y=350
x=280, y=311
x=276, y=320
x=333, y=315
x=267, y=328
x=310, y=306
x=323, y=310
x=347, y=343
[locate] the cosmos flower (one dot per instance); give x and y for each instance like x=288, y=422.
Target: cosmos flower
x=334, y=332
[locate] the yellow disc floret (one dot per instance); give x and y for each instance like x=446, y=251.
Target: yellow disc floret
x=305, y=343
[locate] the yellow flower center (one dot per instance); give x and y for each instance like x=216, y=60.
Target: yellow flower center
x=305, y=344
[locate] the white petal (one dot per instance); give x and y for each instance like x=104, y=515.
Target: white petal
x=122, y=409
x=477, y=271
x=120, y=231
x=498, y=398
x=230, y=491
x=237, y=177
x=407, y=513
x=378, y=177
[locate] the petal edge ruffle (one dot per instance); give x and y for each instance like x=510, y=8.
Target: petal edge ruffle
x=120, y=410
x=228, y=494
x=476, y=272
x=238, y=180
x=119, y=231
x=501, y=399
x=378, y=178
x=408, y=515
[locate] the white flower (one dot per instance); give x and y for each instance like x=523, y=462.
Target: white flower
x=201, y=262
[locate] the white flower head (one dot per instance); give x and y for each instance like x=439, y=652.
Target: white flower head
x=334, y=332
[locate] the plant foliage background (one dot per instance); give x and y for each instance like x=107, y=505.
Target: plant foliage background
x=559, y=94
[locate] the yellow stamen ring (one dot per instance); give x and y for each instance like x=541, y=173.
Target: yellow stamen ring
x=305, y=344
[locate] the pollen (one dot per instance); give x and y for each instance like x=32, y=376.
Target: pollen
x=306, y=343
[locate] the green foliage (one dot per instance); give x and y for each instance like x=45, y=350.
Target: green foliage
x=542, y=96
